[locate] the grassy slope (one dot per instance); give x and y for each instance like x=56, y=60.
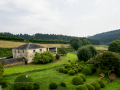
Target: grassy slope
x=24, y=68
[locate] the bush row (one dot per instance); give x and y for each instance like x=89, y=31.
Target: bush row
x=92, y=86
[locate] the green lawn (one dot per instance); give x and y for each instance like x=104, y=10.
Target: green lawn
x=29, y=67
x=44, y=77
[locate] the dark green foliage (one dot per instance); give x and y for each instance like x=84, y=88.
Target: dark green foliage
x=92, y=67
x=21, y=85
x=61, y=69
x=90, y=87
x=63, y=84
x=1, y=70
x=92, y=50
x=81, y=87
x=53, y=85
x=68, y=65
x=71, y=72
x=96, y=85
x=107, y=61
x=79, y=69
x=83, y=77
x=114, y=46
x=36, y=86
x=5, y=52
x=57, y=56
x=62, y=50
x=45, y=57
x=3, y=83
x=102, y=85
x=77, y=80
x=65, y=71
x=84, y=54
x=107, y=37
x=76, y=71
x=87, y=71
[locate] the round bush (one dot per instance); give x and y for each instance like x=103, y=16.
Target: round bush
x=68, y=65
x=77, y=80
x=92, y=67
x=87, y=71
x=52, y=85
x=1, y=70
x=63, y=84
x=79, y=69
x=90, y=87
x=22, y=85
x=102, y=85
x=71, y=72
x=61, y=69
x=83, y=77
x=65, y=71
x=81, y=87
x=36, y=86
x=96, y=85
x=3, y=83
x=76, y=71
x=57, y=56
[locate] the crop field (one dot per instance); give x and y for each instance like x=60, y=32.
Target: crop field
x=12, y=44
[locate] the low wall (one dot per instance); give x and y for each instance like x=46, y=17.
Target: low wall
x=14, y=64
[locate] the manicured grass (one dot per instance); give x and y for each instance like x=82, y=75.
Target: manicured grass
x=28, y=67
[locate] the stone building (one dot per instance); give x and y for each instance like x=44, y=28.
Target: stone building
x=28, y=51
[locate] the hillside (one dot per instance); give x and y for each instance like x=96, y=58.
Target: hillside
x=107, y=37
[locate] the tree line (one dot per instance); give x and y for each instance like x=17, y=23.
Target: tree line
x=107, y=37
x=43, y=38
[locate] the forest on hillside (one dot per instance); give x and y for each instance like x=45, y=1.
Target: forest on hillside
x=43, y=38
x=107, y=37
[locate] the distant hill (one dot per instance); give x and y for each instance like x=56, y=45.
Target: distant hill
x=107, y=37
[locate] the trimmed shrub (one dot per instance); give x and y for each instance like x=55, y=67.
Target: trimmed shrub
x=87, y=71
x=1, y=70
x=96, y=85
x=52, y=85
x=68, y=65
x=61, y=69
x=76, y=71
x=83, y=77
x=77, y=80
x=102, y=85
x=79, y=69
x=81, y=87
x=3, y=83
x=21, y=85
x=57, y=56
x=36, y=86
x=90, y=87
x=92, y=67
x=71, y=72
x=65, y=71
x=63, y=84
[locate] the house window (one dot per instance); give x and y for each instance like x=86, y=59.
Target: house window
x=23, y=51
x=33, y=51
x=40, y=50
x=15, y=51
x=18, y=51
x=18, y=56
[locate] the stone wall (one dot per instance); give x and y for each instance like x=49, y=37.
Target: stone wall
x=14, y=64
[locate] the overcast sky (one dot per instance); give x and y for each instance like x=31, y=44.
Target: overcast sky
x=67, y=17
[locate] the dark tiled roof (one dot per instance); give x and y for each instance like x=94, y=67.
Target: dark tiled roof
x=12, y=60
x=29, y=46
x=52, y=49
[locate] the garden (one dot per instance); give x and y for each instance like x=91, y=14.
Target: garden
x=85, y=70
